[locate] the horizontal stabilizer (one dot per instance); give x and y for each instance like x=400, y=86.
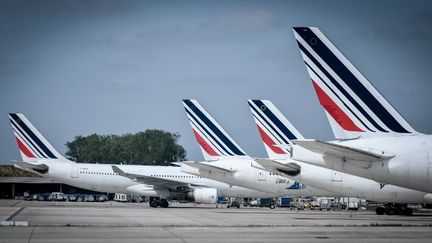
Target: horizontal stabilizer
x=40, y=168
x=208, y=167
x=342, y=151
x=289, y=169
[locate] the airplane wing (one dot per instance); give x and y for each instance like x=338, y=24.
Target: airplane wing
x=342, y=151
x=288, y=169
x=149, y=180
x=208, y=167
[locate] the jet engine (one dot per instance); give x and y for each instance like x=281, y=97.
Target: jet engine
x=143, y=190
x=203, y=195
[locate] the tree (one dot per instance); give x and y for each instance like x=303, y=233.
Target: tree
x=151, y=147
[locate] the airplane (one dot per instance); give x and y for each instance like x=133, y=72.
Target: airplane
x=227, y=162
x=374, y=140
x=160, y=183
x=276, y=131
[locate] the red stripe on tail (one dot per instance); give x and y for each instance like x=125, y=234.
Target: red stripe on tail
x=269, y=142
x=24, y=149
x=205, y=145
x=333, y=109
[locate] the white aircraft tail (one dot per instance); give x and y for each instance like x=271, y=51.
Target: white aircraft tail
x=275, y=129
x=32, y=145
x=353, y=106
x=214, y=141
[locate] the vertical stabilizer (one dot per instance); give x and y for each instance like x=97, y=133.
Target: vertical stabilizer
x=32, y=145
x=274, y=128
x=352, y=104
x=214, y=141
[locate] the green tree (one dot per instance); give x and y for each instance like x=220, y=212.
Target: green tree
x=151, y=147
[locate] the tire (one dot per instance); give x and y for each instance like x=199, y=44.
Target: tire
x=154, y=204
x=408, y=212
x=164, y=203
x=380, y=210
x=389, y=211
x=272, y=206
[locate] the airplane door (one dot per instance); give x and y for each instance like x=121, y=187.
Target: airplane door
x=74, y=171
x=261, y=175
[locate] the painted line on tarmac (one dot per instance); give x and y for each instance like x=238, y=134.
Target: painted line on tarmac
x=13, y=205
x=15, y=214
x=173, y=234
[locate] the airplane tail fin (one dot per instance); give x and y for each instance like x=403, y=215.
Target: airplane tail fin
x=275, y=129
x=32, y=145
x=214, y=141
x=353, y=106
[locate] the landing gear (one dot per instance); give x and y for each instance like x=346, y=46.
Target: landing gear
x=164, y=203
x=394, y=209
x=380, y=210
x=156, y=202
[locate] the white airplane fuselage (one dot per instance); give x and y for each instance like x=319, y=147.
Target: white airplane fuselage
x=101, y=177
x=250, y=176
x=355, y=186
x=411, y=166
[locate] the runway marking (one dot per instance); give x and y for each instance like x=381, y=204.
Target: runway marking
x=15, y=214
x=13, y=205
x=173, y=234
x=31, y=234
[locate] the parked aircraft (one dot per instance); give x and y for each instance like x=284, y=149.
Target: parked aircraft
x=227, y=162
x=160, y=183
x=375, y=141
x=276, y=132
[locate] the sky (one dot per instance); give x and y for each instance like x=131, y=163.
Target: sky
x=115, y=67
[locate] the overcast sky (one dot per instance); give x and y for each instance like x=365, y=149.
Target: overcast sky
x=115, y=67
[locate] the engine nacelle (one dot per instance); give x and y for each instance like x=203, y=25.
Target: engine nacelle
x=142, y=190
x=428, y=198
x=203, y=195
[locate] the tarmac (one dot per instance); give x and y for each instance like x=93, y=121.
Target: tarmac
x=137, y=222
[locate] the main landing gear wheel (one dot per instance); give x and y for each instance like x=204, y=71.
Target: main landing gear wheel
x=380, y=210
x=394, y=209
x=164, y=203
x=154, y=202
